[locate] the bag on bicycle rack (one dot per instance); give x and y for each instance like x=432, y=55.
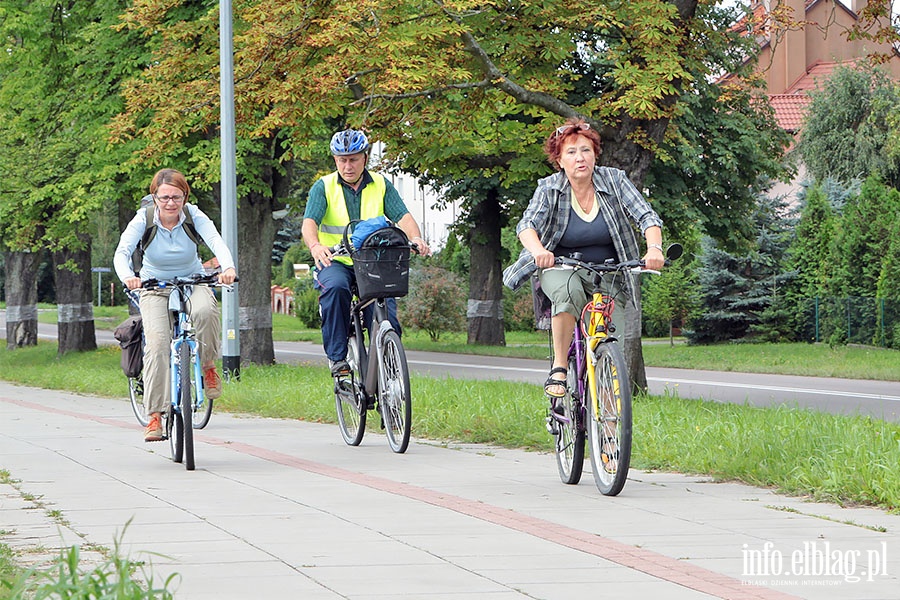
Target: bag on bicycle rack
x=381, y=264
x=130, y=334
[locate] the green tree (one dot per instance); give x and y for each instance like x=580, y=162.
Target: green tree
x=59, y=87
x=862, y=243
x=811, y=257
x=845, y=134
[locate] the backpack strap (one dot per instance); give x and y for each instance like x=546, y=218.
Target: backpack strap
x=137, y=257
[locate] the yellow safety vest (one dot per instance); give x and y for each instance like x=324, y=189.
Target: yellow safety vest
x=336, y=219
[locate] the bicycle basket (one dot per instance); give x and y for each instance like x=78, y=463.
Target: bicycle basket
x=381, y=265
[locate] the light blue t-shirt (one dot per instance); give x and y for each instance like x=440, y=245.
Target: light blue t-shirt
x=171, y=253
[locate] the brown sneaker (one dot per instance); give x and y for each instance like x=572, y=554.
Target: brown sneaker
x=154, y=431
x=212, y=383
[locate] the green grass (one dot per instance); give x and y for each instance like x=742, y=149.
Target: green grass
x=841, y=459
x=816, y=360
x=69, y=578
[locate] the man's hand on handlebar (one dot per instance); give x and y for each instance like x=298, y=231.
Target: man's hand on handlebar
x=321, y=255
x=421, y=246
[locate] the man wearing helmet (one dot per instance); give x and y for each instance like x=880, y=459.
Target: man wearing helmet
x=350, y=193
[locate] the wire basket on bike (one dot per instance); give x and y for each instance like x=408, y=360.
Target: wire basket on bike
x=381, y=264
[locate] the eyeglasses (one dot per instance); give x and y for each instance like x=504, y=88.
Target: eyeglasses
x=576, y=127
x=167, y=199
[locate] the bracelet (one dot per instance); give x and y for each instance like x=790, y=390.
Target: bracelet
x=417, y=238
x=657, y=246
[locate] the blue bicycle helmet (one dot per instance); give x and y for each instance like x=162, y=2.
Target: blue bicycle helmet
x=349, y=141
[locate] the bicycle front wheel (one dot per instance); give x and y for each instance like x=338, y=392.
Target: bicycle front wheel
x=186, y=402
x=136, y=395
x=349, y=398
x=609, y=420
x=568, y=418
x=393, y=392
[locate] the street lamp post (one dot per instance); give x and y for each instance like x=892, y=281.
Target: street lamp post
x=231, y=345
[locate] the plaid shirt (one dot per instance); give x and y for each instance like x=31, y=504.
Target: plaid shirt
x=621, y=205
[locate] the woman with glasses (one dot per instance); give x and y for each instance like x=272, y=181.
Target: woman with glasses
x=583, y=208
x=172, y=253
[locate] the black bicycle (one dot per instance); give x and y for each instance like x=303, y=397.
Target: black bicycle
x=379, y=377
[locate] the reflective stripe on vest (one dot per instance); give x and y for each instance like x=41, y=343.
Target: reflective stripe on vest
x=336, y=219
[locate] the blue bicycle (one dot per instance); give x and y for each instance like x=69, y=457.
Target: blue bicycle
x=189, y=407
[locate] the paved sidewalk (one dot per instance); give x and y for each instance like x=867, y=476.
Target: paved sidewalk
x=283, y=509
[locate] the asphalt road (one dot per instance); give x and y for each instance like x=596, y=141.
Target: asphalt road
x=878, y=399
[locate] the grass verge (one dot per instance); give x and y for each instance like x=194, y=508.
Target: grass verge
x=840, y=459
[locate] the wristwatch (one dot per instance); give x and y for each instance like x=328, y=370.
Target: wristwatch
x=657, y=246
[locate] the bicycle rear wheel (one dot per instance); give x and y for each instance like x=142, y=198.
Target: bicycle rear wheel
x=136, y=395
x=349, y=398
x=569, y=446
x=609, y=420
x=202, y=412
x=393, y=392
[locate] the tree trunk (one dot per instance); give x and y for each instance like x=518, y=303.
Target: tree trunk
x=72, y=278
x=622, y=153
x=485, y=308
x=255, y=236
x=21, y=299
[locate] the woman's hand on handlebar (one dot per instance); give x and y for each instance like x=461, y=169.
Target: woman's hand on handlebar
x=133, y=283
x=228, y=276
x=544, y=258
x=654, y=259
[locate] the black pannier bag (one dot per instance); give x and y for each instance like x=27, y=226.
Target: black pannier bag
x=381, y=264
x=131, y=338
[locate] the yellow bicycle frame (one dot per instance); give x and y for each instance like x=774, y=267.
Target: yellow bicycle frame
x=596, y=332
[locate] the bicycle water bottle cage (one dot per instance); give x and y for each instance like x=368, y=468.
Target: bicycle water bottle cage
x=596, y=318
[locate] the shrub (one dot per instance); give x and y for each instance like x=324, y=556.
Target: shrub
x=436, y=302
x=306, y=303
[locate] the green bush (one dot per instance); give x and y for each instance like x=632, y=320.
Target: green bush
x=518, y=309
x=306, y=303
x=436, y=302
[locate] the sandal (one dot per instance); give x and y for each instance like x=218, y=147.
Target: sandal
x=560, y=384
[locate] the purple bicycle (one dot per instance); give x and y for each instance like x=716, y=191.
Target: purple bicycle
x=597, y=404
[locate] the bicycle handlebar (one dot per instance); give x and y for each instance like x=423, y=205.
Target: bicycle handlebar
x=673, y=252
x=340, y=249
x=197, y=279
